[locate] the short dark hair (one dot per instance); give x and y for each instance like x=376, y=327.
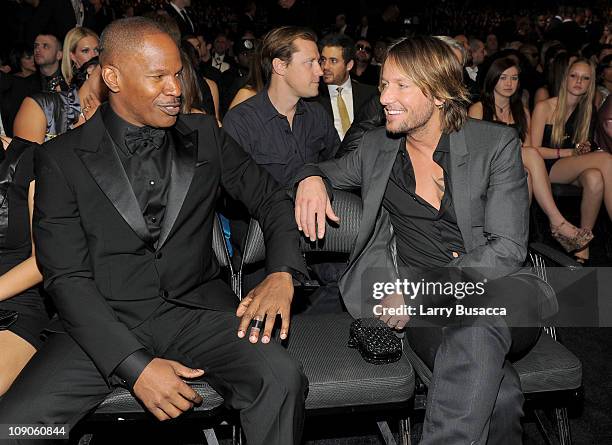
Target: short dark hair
x=58, y=42
x=278, y=44
x=126, y=35
x=340, y=40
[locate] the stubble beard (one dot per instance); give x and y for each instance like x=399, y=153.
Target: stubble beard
x=413, y=122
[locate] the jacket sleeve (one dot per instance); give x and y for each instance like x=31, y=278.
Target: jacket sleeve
x=64, y=259
x=506, y=218
x=265, y=200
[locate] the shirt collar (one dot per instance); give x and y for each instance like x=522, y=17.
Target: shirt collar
x=116, y=127
x=268, y=111
x=346, y=86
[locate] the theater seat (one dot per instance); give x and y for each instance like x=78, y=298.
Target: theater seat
x=338, y=376
x=339, y=379
x=550, y=374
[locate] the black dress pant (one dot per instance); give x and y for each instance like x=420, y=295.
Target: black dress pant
x=475, y=395
x=61, y=384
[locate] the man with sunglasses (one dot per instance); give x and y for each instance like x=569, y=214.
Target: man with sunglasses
x=363, y=71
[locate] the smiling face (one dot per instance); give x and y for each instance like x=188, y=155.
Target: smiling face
x=302, y=72
x=508, y=82
x=145, y=84
x=335, y=69
x=85, y=50
x=406, y=107
x=578, y=79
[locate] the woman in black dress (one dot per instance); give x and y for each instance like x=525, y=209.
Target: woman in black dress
x=19, y=275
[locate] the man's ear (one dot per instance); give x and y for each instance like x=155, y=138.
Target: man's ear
x=111, y=77
x=279, y=66
x=59, y=55
x=349, y=66
x=438, y=103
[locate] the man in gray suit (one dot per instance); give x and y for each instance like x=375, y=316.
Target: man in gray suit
x=440, y=192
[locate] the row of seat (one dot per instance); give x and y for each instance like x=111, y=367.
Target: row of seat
x=340, y=380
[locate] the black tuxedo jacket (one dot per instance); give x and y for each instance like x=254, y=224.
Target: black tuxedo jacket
x=96, y=255
x=362, y=93
x=184, y=26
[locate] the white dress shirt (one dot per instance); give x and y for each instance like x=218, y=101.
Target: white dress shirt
x=347, y=95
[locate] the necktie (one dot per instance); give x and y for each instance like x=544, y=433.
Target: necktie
x=345, y=120
x=143, y=138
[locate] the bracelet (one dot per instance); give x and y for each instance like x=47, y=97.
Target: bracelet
x=558, y=153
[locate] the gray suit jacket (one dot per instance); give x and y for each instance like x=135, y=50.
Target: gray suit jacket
x=489, y=190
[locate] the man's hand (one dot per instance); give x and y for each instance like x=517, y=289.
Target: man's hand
x=160, y=388
x=271, y=297
x=312, y=205
x=395, y=301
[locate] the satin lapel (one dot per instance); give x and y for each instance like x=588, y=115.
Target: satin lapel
x=376, y=189
x=183, y=165
x=105, y=166
x=460, y=186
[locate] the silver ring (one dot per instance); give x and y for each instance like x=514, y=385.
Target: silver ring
x=256, y=324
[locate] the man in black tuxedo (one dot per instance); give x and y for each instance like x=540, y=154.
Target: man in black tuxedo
x=177, y=9
x=123, y=227
x=341, y=96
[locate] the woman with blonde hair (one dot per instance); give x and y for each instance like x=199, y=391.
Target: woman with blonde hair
x=501, y=102
x=80, y=46
x=561, y=129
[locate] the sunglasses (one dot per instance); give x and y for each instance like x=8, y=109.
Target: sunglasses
x=367, y=49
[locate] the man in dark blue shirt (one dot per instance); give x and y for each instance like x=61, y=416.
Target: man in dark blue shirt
x=277, y=128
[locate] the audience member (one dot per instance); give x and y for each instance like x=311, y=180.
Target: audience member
x=255, y=80
x=555, y=72
x=22, y=61
x=363, y=71
x=47, y=56
x=208, y=89
x=204, y=68
x=562, y=130
x=491, y=44
x=277, y=127
x=19, y=275
x=235, y=78
x=220, y=58
x=127, y=259
x=340, y=95
x=501, y=102
x=46, y=115
x=80, y=46
x=177, y=9
x=410, y=184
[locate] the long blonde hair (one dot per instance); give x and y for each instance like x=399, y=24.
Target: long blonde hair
x=584, y=109
x=70, y=43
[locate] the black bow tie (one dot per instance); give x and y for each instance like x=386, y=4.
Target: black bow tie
x=143, y=138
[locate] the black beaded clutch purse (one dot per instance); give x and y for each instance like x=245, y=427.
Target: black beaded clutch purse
x=375, y=341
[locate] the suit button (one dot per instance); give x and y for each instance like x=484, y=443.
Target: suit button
x=163, y=293
x=158, y=255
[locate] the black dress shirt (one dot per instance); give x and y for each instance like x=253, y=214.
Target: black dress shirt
x=425, y=236
x=147, y=167
x=281, y=149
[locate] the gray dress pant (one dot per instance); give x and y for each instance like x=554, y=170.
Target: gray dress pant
x=475, y=395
